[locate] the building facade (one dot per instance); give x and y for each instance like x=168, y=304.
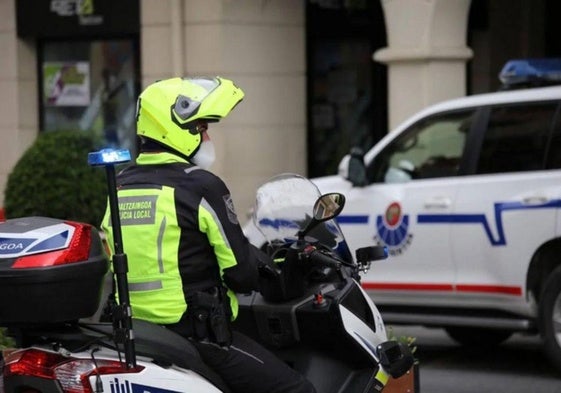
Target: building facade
x=301, y=64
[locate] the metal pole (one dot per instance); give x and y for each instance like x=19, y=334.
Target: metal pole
x=120, y=268
x=122, y=313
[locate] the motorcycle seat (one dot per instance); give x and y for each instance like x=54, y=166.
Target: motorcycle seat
x=167, y=348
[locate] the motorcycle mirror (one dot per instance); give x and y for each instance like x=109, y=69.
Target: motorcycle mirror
x=395, y=357
x=326, y=207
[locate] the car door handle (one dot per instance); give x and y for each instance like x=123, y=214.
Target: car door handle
x=438, y=203
x=535, y=200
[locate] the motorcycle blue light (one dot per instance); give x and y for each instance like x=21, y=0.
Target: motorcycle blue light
x=109, y=157
x=531, y=71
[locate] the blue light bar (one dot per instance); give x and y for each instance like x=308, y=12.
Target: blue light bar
x=535, y=71
x=109, y=157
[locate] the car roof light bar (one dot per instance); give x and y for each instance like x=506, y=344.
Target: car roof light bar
x=540, y=71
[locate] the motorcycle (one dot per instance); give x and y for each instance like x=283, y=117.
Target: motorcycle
x=311, y=311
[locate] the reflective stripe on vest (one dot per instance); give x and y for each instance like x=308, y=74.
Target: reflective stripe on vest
x=145, y=286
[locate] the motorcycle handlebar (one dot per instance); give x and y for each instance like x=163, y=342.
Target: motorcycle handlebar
x=323, y=259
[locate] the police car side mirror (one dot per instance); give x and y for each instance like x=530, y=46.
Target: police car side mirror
x=353, y=169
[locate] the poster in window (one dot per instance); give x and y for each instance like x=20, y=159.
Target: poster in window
x=66, y=83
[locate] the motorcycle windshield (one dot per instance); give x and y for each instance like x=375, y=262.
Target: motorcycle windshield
x=284, y=205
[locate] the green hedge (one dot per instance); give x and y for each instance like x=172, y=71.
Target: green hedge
x=5, y=340
x=53, y=179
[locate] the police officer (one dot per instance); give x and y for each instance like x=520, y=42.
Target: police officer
x=186, y=251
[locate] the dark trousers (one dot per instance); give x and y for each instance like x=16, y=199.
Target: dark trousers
x=247, y=367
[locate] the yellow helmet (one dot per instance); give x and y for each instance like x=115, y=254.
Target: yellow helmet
x=167, y=110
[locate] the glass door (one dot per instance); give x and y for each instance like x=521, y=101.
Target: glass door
x=90, y=86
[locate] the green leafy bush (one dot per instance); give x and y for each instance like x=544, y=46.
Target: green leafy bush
x=53, y=179
x=5, y=340
x=407, y=340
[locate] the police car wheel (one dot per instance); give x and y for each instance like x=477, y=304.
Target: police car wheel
x=471, y=336
x=550, y=317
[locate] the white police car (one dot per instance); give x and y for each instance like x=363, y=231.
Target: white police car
x=466, y=194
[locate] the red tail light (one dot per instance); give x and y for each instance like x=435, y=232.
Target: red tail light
x=31, y=362
x=78, y=250
x=72, y=374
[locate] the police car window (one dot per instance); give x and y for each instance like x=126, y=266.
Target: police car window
x=516, y=138
x=431, y=148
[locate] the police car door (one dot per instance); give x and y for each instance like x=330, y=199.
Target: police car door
x=507, y=209
x=414, y=174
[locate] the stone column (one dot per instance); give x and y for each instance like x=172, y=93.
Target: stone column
x=426, y=54
x=260, y=45
x=18, y=94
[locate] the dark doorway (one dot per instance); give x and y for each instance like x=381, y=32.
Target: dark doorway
x=347, y=90
x=503, y=30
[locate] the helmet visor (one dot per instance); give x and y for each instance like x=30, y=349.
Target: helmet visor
x=186, y=107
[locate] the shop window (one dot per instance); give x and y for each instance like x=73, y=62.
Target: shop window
x=90, y=86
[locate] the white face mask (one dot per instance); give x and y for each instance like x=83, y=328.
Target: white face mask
x=205, y=156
